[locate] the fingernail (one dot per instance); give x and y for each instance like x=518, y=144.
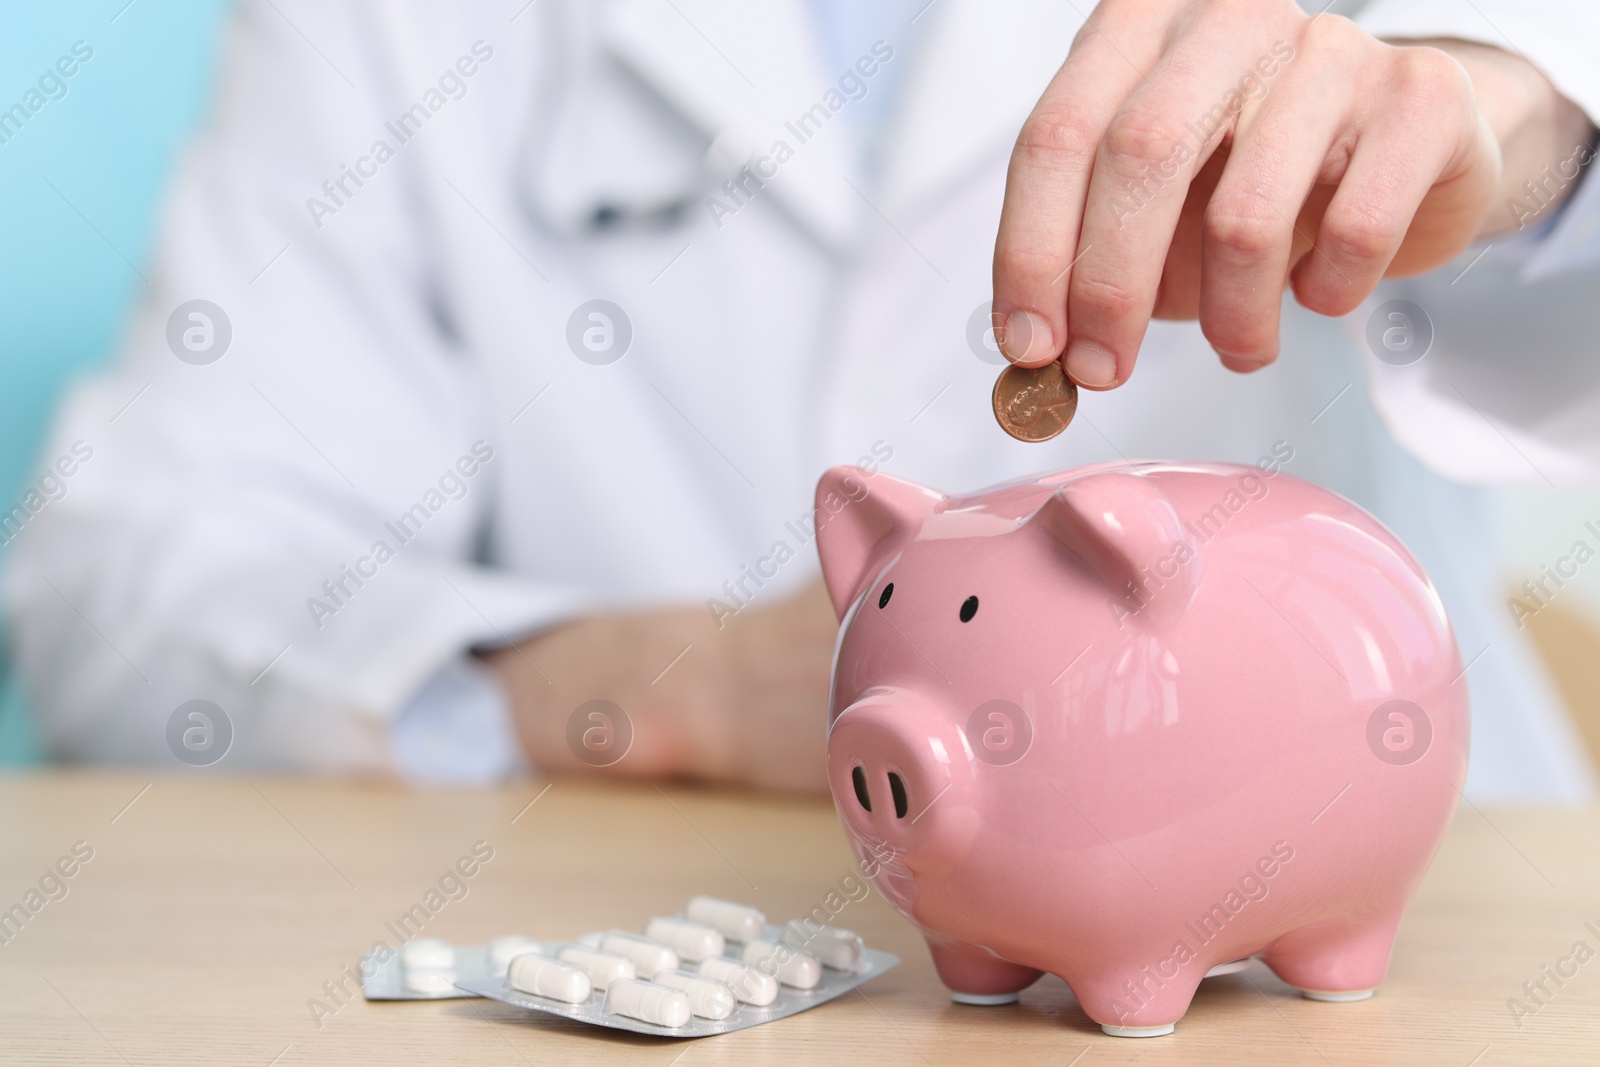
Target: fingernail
x=1089, y=364
x=1026, y=338
x=1244, y=364
x=1241, y=366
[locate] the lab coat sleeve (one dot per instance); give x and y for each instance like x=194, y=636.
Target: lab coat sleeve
x=456, y=730
x=290, y=527
x=1508, y=390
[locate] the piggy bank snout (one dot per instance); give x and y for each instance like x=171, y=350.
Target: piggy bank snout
x=884, y=764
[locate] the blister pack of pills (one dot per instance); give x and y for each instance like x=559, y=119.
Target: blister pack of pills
x=715, y=968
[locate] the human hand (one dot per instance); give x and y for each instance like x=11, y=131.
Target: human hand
x=1191, y=156
x=746, y=703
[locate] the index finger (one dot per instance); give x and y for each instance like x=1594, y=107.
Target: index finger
x=1047, y=182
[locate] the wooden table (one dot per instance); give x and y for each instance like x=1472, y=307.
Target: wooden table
x=215, y=908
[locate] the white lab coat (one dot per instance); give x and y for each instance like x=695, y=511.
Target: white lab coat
x=375, y=344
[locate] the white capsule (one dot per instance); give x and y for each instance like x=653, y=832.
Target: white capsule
x=708, y=998
x=647, y=1001
x=791, y=966
x=648, y=956
x=429, y=979
x=837, y=948
x=603, y=967
x=545, y=977
x=427, y=953
x=747, y=983
x=691, y=941
x=502, y=950
x=736, y=922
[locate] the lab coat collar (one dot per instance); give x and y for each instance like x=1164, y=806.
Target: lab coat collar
x=976, y=70
x=727, y=70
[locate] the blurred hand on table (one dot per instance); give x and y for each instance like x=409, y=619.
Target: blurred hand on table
x=745, y=704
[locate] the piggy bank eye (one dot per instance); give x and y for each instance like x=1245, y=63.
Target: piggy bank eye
x=969, y=608
x=888, y=591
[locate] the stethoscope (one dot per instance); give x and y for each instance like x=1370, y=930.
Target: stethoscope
x=725, y=155
x=663, y=209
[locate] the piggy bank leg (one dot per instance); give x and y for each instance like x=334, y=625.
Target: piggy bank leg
x=1337, y=960
x=975, y=976
x=1147, y=1007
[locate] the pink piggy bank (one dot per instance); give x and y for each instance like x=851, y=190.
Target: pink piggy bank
x=1133, y=724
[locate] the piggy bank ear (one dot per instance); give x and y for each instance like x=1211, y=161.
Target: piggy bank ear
x=861, y=518
x=1129, y=533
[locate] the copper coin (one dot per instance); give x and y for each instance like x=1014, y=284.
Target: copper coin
x=1034, y=404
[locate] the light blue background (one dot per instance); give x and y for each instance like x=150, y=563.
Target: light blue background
x=108, y=146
